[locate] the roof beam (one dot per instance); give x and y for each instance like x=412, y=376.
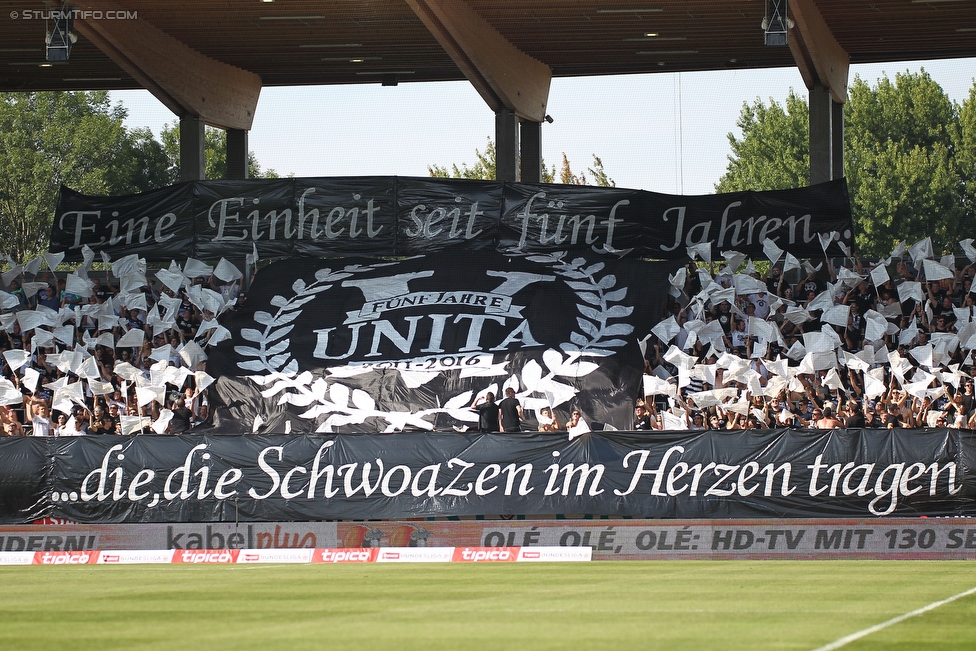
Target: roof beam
x=818, y=55
x=503, y=75
x=184, y=80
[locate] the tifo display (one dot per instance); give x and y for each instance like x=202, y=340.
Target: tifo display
x=363, y=384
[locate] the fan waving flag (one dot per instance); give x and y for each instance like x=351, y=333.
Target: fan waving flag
x=363, y=345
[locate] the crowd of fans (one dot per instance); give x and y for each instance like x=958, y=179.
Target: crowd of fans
x=842, y=344
x=111, y=351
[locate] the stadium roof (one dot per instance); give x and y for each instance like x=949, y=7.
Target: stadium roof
x=301, y=42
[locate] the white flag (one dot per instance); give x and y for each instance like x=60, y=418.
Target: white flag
x=192, y=354
x=967, y=248
x=227, y=272
x=134, y=424
x=33, y=266
x=11, y=275
x=16, y=358
x=935, y=271
x=703, y=251
x=78, y=286
x=921, y=250
x=825, y=240
x=130, y=264
x=252, y=257
x=194, y=268
x=654, y=386
x=53, y=259
x=9, y=394
x=666, y=330
x=160, y=424
x=100, y=388
x=733, y=259
x=879, y=275
x=202, y=380
x=909, y=290
x=790, y=263
x=837, y=315
x=873, y=387
x=772, y=251
x=133, y=338
x=172, y=279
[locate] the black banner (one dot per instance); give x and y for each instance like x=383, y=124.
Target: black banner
x=360, y=345
x=743, y=474
x=394, y=216
x=157, y=225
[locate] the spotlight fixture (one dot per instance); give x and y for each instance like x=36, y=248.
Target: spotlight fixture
x=548, y=118
x=385, y=73
x=352, y=59
x=304, y=17
x=59, y=37
x=634, y=10
x=308, y=45
x=776, y=24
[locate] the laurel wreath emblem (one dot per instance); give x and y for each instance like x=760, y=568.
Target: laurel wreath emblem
x=271, y=356
x=596, y=337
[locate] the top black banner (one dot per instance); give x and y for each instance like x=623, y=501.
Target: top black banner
x=400, y=216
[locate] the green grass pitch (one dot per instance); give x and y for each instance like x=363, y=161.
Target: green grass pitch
x=602, y=605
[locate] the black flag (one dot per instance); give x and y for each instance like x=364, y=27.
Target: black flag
x=360, y=345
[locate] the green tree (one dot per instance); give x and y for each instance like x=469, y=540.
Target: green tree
x=966, y=155
x=900, y=163
x=909, y=159
x=77, y=139
x=215, y=149
x=484, y=170
x=600, y=177
x=597, y=173
x=774, y=151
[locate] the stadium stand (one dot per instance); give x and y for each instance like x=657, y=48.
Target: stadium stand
x=839, y=344
x=113, y=352
x=883, y=345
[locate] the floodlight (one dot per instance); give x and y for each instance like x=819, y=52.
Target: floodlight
x=776, y=24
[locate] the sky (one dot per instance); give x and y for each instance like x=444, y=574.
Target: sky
x=663, y=132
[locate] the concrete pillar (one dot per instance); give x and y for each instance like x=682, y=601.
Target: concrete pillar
x=530, y=161
x=193, y=158
x=506, y=145
x=821, y=142
x=236, y=154
x=837, y=139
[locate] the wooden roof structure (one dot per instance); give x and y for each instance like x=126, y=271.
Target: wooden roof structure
x=224, y=51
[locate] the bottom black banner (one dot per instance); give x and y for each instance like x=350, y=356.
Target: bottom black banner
x=744, y=474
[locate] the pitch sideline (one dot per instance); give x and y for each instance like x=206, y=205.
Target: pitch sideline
x=847, y=639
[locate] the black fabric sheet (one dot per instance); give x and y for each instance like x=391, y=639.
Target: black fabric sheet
x=745, y=474
x=395, y=216
x=370, y=346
